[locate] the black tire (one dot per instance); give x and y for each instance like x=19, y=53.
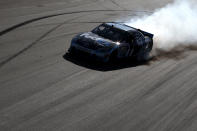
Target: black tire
x=143, y=55
x=149, y=46
x=144, y=52
x=113, y=56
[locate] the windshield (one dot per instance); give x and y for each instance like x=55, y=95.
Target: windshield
x=110, y=33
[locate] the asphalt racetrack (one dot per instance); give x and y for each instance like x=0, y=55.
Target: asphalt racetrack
x=43, y=90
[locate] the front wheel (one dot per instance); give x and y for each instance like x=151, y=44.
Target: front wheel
x=113, y=56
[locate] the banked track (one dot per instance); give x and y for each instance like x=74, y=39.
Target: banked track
x=41, y=90
x=49, y=16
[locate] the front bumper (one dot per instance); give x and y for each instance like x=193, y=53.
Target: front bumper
x=103, y=56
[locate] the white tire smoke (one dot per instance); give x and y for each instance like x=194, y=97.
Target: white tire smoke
x=173, y=26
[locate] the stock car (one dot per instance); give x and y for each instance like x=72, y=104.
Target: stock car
x=110, y=41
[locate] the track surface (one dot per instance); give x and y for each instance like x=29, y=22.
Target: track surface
x=41, y=90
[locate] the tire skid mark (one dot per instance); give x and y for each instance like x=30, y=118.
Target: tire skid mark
x=52, y=84
x=170, y=75
x=75, y=22
x=63, y=100
x=33, y=71
x=59, y=14
x=33, y=43
x=115, y=3
x=10, y=121
x=43, y=36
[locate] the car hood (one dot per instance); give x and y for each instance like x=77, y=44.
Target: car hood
x=94, y=39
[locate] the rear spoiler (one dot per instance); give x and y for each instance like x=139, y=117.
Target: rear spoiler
x=143, y=32
x=146, y=33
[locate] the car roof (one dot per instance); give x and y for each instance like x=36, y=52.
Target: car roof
x=122, y=27
x=127, y=28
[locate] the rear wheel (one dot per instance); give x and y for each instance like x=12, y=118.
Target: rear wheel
x=144, y=52
x=143, y=55
x=149, y=46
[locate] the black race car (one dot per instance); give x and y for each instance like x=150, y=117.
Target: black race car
x=113, y=41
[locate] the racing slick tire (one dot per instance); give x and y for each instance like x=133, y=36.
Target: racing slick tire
x=113, y=56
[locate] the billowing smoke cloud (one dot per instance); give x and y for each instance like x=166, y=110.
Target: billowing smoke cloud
x=173, y=26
